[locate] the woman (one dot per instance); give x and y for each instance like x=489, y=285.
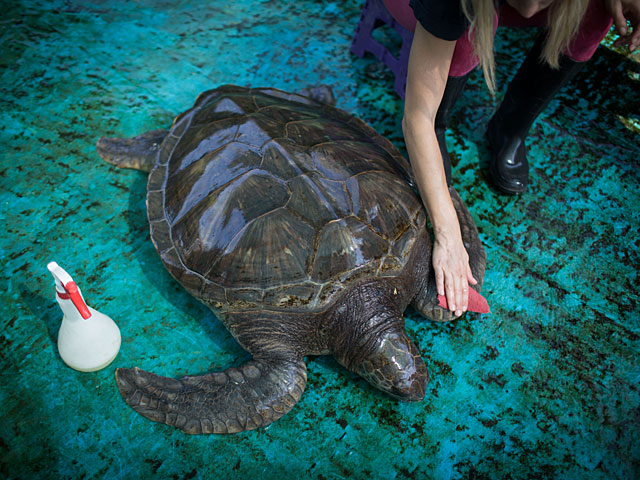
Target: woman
x=443, y=53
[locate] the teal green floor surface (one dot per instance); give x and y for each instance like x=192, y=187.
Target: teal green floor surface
x=546, y=386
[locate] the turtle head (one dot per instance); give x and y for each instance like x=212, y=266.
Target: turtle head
x=395, y=366
x=369, y=339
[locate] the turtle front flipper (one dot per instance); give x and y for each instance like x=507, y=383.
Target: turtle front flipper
x=426, y=300
x=139, y=152
x=237, y=399
x=471, y=239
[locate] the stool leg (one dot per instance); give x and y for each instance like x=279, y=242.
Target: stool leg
x=362, y=38
x=374, y=14
x=400, y=83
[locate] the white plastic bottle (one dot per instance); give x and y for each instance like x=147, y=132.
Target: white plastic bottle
x=87, y=340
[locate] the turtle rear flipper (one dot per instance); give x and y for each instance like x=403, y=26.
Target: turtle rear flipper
x=139, y=152
x=320, y=93
x=237, y=399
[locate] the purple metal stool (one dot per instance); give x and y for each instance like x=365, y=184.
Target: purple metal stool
x=375, y=14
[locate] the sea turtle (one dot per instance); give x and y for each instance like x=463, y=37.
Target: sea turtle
x=297, y=224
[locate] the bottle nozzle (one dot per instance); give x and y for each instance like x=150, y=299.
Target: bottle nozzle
x=67, y=289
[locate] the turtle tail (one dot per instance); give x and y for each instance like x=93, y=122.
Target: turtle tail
x=139, y=152
x=237, y=399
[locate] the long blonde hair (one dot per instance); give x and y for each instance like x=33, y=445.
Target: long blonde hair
x=563, y=21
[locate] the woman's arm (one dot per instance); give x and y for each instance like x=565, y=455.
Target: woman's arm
x=429, y=62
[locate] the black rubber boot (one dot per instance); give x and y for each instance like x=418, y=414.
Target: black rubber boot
x=452, y=91
x=533, y=86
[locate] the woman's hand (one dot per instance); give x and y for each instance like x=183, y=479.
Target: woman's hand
x=451, y=267
x=623, y=11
